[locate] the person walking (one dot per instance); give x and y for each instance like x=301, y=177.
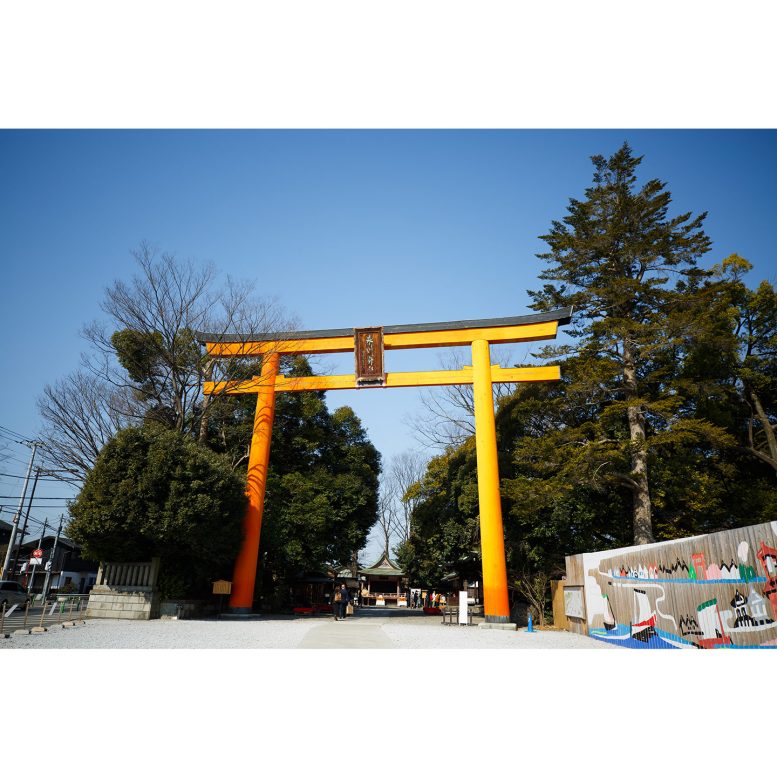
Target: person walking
x=337, y=601
x=344, y=599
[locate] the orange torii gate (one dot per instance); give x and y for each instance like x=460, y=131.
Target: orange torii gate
x=368, y=345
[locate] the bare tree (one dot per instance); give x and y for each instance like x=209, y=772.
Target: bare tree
x=405, y=473
x=80, y=414
x=448, y=417
x=145, y=361
x=387, y=511
x=149, y=344
x=397, y=496
x=534, y=588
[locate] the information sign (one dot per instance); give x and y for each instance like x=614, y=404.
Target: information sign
x=222, y=587
x=463, y=603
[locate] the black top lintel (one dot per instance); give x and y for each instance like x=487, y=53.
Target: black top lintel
x=562, y=315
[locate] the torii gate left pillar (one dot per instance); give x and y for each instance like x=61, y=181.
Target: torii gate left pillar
x=368, y=346
x=244, y=578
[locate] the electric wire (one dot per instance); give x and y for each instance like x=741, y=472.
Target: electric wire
x=15, y=436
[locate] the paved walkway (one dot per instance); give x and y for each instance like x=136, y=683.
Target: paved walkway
x=368, y=629
x=350, y=633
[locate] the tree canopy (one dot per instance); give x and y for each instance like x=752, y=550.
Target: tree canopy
x=321, y=498
x=153, y=492
x=612, y=258
x=663, y=423
x=139, y=400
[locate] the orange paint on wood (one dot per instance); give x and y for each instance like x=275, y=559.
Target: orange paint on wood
x=244, y=578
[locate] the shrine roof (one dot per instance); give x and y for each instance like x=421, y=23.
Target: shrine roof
x=384, y=567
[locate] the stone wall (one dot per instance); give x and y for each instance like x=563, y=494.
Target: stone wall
x=106, y=602
x=126, y=591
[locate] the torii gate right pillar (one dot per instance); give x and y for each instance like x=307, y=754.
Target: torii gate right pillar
x=492, y=543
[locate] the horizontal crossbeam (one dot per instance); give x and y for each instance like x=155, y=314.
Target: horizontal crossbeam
x=393, y=380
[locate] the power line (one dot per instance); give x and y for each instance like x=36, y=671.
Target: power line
x=13, y=458
x=21, y=477
x=38, y=498
x=57, y=506
x=13, y=436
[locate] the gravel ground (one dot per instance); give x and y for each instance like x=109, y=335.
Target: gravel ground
x=363, y=631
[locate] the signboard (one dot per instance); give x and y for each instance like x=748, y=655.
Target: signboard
x=368, y=350
x=37, y=553
x=573, y=602
x=35, y=562
x=463, y=601
x=222, y=587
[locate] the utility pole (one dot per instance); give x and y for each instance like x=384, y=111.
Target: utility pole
x=24, y=525
x=15, y=524
x=51, y=559
x=35, y=566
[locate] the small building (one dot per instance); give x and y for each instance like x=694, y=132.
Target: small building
x=316, y=590
x=5, y=533
x=384, y=584
x=68, y=569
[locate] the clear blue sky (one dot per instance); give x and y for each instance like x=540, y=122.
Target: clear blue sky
x=346, y=228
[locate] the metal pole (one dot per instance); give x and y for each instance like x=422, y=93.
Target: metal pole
x=26, y=519
x=35, y=566
x=15, y=524
x=52, y=559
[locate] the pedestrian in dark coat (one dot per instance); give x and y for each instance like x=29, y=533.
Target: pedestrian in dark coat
x=345, y=597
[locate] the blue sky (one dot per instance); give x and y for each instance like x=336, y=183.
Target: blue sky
x=345, y=228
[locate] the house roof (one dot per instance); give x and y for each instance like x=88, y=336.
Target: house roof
x=383, y=567
x=48, y=541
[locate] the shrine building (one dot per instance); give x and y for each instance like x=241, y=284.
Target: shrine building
x=384, y=584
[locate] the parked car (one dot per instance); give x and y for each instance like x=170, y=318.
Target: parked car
x=12, y=593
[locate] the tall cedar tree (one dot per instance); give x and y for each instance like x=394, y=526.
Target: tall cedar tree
x=612, y=258
x=738, y=353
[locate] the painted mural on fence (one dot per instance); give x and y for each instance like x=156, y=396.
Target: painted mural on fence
x=713, y=591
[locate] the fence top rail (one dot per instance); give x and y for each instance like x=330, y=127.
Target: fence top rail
x=115, y=564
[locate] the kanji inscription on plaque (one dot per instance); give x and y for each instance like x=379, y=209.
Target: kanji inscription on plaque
x=368, y=350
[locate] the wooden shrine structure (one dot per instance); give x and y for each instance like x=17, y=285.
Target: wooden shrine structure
x=368, y=345
x=384, y=584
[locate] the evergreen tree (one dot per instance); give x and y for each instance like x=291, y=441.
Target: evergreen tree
x=154, y=492
x=612, y=258
x=745, y=325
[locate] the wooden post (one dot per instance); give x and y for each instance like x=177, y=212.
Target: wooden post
x=497, y=605
x=244, y=578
